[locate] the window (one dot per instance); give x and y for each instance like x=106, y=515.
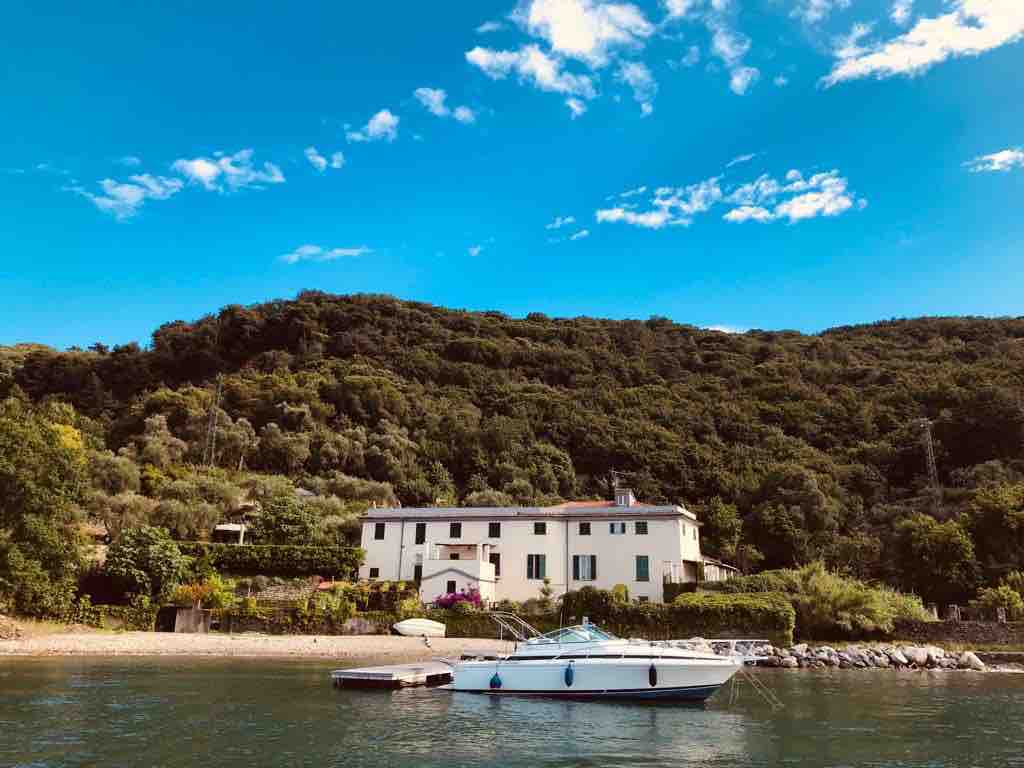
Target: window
x=643, y=568
x=584, y=529
x=540, y=529
x=450, y=587
x=417, y=574
x=643, y=599
x=584, y=567
x=454, y=556
x=640, y=527
x=495, y=558
x=535, y=566
x=378, y=531
x=616, y=528
x=375, y=573
x=421, y=533
x=455, y=530
x=494, y=530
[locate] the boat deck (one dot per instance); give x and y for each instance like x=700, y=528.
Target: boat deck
x=393, y=675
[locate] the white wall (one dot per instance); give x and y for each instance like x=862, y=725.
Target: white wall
x=667, y=539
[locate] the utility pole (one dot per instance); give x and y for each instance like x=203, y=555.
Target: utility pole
x=925, y=425
x=210, y=449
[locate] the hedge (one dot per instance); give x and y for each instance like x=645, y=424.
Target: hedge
x=284, y=560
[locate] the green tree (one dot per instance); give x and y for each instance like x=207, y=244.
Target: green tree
x=42, y=473
x=720, y=534
x=935, y=560
x=147, y=561
x=284, y=520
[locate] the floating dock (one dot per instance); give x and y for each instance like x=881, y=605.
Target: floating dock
x=393, y=676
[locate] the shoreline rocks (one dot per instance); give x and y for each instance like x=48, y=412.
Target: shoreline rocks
x=802, y=656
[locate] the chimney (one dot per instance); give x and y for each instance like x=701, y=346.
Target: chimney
x=624, y=497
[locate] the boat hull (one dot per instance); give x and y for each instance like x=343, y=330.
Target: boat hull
x=420, y=628
x=622, y=679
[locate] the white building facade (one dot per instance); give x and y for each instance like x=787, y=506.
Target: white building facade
x=507, y=552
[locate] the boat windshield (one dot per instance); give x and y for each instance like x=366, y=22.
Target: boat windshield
x=577, y=634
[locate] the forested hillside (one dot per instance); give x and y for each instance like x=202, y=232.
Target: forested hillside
x=790, y=447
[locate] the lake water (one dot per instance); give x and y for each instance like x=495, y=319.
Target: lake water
x=149, y=712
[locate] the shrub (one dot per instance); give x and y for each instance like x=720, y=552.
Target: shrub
x=278, y=560
x=763, y=613
x=992, y=598
x=453, y=599
x=146, y=561
x=620, y=592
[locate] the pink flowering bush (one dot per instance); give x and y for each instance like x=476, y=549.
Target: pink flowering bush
x=471, y=598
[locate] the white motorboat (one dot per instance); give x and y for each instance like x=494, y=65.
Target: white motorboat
x=586, y=662
x=420, y=628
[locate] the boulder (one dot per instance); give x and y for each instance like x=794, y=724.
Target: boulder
x=968, y=660
x=8, y=629
x=880, y=660
x=896, y=657
x=915, y=655
x=800, y=649
x=790, y=662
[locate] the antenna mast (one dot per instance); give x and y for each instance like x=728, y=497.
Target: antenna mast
x=925, y=425
x=210, y=449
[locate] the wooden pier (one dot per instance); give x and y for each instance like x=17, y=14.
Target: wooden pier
x=393, y=676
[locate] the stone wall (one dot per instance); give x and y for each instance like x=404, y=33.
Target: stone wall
x=973, y=633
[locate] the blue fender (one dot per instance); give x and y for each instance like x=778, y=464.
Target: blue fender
x=495, y=681
x=652, y=675
x=568, y=676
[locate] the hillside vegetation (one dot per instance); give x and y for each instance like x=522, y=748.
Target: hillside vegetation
x=791, y=448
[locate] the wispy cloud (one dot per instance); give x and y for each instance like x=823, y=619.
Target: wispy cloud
x=577, y=107
x=580, y=235
x=763, y=200
x=813, y=11
x=740, y=159
x=780, y=81
x=129, y=161
x=725, y=328
x=901, y=11
x=433, y=99
x=474, y=250
x=561, y=221
x=383, y=126
x=638, y=77
x=122, y=200
x=227, y=173
x=533, y=66
x=489, y=26
x=972, y=28
x=997, y=162
x=321, y=163
x=731, y=46
x=319, y=253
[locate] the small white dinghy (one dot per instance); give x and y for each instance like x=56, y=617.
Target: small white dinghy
x=419, y=628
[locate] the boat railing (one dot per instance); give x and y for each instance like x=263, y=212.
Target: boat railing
x=514, y=625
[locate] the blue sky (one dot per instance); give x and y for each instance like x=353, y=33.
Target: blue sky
x=738, y=163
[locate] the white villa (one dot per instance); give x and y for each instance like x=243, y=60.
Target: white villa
x=507, y=552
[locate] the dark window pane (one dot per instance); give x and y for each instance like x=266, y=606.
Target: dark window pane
x=495, y=558
x=584, y=529
x=374, y=573
x=421, y=532
x=494, y=530
x=378, y=531
x=641, y=527
x=540, y=529
x=455, y=530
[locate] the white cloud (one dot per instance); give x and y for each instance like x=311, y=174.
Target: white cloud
x=464, y=115
x=901, y=11
x=638, y=77
x=474, y=250
x=122, y=200
x=633, y=192
x=763, y=200
x=678, y=9
x=998, y=162
x=317, y=160
x=970, y=29
x=382, y=126
x=725, y=328
x=130, y=161
x=337, y=159
x=780, y=81
x=691, y=58
x=576, y=107
x=648, y=220
x=580, y=235
x=740, y=159
x=587, y=30
x=224, y=172
x=561, y=221
x=531, y=65
x=731, y=46
x=813, y=11
x=489, y=26
x=433, y=99
x=319, y=253
x=742, y=78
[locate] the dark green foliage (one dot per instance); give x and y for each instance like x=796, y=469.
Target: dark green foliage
x=146, y=561
x=935, y=560
x=283, y=521
x=272, y=560
x=809, y=446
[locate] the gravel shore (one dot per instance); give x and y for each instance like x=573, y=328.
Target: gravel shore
x=378, y=647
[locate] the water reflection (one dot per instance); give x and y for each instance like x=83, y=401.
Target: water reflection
x=175, y=713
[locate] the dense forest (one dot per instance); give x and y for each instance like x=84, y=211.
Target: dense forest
x=791, y=448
